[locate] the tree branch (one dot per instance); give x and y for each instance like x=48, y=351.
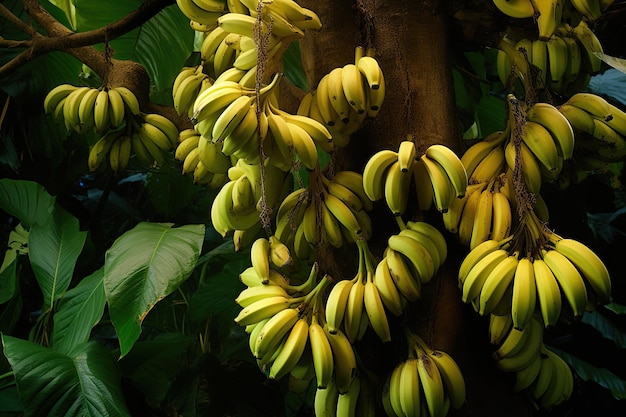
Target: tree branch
x=60, y=38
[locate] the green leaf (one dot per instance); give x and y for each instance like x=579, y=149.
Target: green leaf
x=152, y=365
x=28, y=201
x=292, y=64
x=83, y=383
x=79, y=310
x=8, y=282
x=143, y=266
x=161, y=45
x=601, y=376
x=17, y=245
x=67, y=6
x=606, y=328
x=10, y=401
x=54, y=249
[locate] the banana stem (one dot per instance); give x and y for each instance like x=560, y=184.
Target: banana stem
x=401, y=222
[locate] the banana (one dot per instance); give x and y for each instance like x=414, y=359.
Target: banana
x=344, y=360
x=277, y=328
x=513, y=342
x=101, y=110
x=194, y=12
x=474, y=155
x=610, y=145
x=574, y=63
x=618, y=122
x=330, y=117
x=354, y=313
x=258, y=292
x=548, y=293
x=497, y=283
x=336, y=304
x=406, y=155
x=589, y=8
x=260, y=257
x=404, y=277
x=224, y=56
x=262, y=309
x=331, y=228
x=561, y=383
x=215, y=98
x=397, y=185
x=590, y=266
x=375, y=311
x=499, y=327
x=325, y=401
x=557, y=124
x=427, y=243
x=540, y=142
x=322, y=354
x=100, y=150
x=391, y=392
x=387, y=289
x=452, y=377
x=590, y=44
x=318, y=132
x=452, y=165
x=443, y=188
x=481, y=229
x=558, y=58
x=417, y=255
x=490, y=167
x=593, y=104
x=452, y=217
x=86, y=107
x=433, y=234
x=347, y=402
x=525, y=377
x=524, y=296
x=570, y=280
x=231, y=117
x=526, y=353
x=369, y=67
x=472, y=283
x=114, y=155
x=375, y=96
x=344, y=215
x=475, y=255
x=292, y=350
x=548, y=16
x=163, y=124
x=502, y=218
x=518, y=9
x=579, y=119
x=71, y=108
x=125, y=151
x=347, y=196
x=545, y=375
x=117, y=108
x=187, y=92
x=353, y=85
x=156, y=136
x=140, y=150
x=338, y=99
x=432, y=386
x=423, y=186
x=304, y=146
x=375, y=171
x=409, y=387
x=55, y=95
x=539, y=52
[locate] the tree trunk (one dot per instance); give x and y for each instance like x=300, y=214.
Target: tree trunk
x=412, y=45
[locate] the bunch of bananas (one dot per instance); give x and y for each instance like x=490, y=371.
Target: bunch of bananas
x=148, y=136
x=189, y=82
x=563, y=63
x=428, y=383
x=346, y=96
x=84, y=109
x=284, y=321
x=327, y=211
x=203, y=14
x=242, y=200
x=203, y=158
x=438, y=176
x=359, y=400
x=411, y=259
x=539, y=372
x=550, y=14
x=534, y=270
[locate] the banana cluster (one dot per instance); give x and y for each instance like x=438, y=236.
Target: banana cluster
x=202, y=158
x=287, y=328
x=563, y=63
x=539, y=372
x=327, y=211
x=189, y=82
x=556, y=278
x=203, y=14
x=438, y=176
x=149, y=136
x=549, y=15
x=346, y=96
x=242, y=200
x=427, y=384
x=83, y=109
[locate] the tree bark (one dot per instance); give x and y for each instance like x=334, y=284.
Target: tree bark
x=413, y=48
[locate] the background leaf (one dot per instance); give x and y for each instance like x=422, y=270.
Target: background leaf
x=79, y=310
x=54, y=249
x=143, y=266
x=84, y=383
x=606, y=327
x=25, y=200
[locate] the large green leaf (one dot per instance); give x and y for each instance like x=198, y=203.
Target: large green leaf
x=601, y=376
x=85, y=382
x=162, y=44
x=26, y=200
x=79, y=310
x=606, y=327
x=143, y=266
x=54, y=249
x=67, y=6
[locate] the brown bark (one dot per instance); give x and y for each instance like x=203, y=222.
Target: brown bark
x=412, y=44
